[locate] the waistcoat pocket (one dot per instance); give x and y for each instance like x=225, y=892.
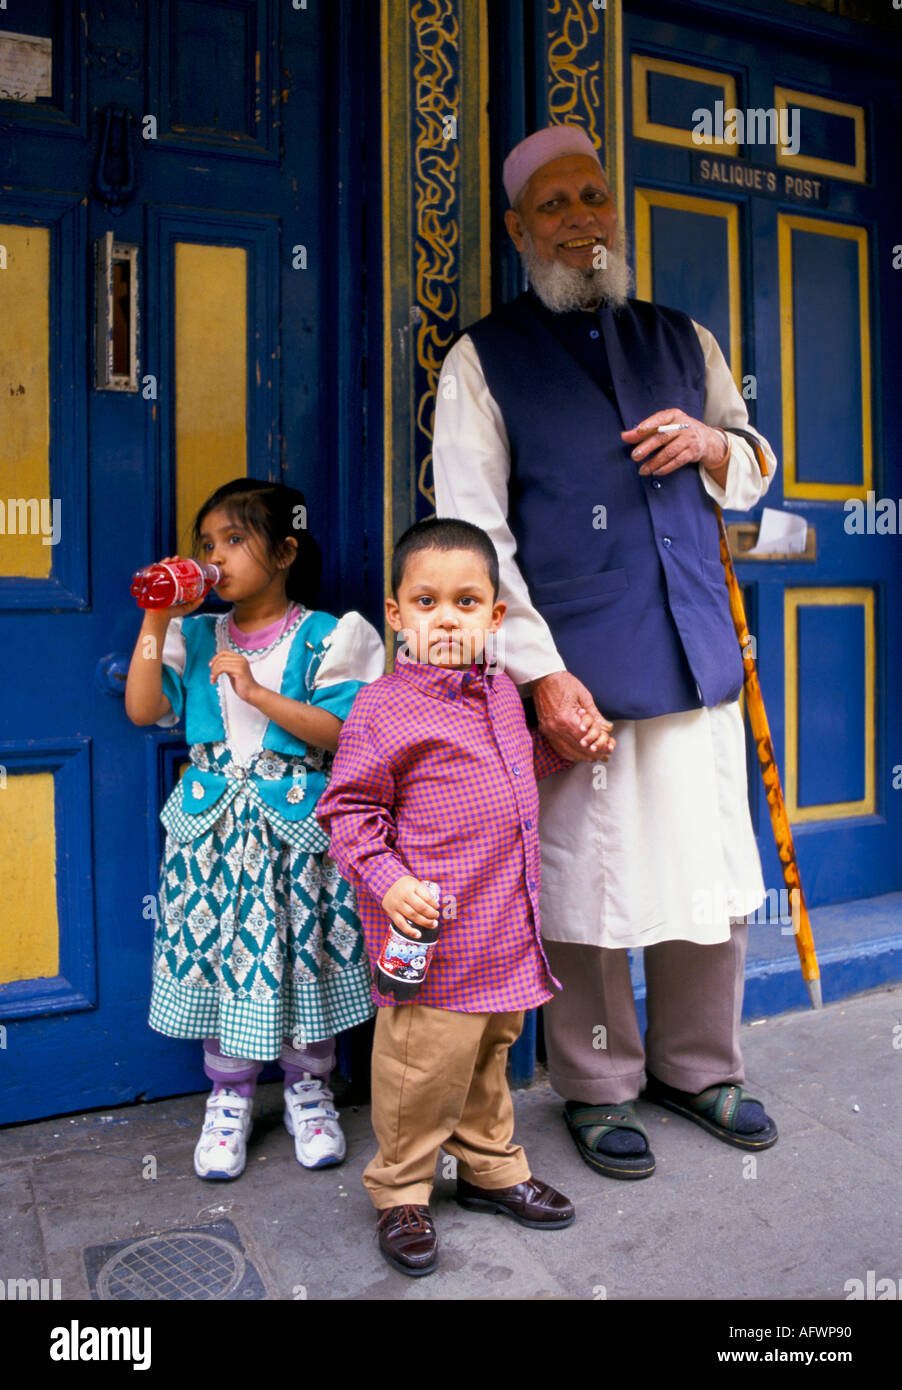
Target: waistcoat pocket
x=581, y=586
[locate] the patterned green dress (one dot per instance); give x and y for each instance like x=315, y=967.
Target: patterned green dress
x=257, y=936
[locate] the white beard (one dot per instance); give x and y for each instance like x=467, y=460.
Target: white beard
x=562, y=288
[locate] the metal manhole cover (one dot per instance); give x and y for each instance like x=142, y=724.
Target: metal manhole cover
x=172, y=1267
x=202, y=1263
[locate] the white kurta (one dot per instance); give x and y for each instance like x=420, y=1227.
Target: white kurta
x=657, y=844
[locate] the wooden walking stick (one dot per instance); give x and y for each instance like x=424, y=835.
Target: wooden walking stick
x=768, y=763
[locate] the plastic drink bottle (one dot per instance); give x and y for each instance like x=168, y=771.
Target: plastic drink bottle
x=177, y=581
x=403, y=962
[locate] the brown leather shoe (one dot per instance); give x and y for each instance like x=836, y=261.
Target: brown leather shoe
x=407, y=1239
x=532, y=1203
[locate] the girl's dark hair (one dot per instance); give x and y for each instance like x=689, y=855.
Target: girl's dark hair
x=273, y=512
x=444, y=533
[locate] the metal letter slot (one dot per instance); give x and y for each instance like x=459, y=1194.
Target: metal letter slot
x=742, y=536
x=116, y=331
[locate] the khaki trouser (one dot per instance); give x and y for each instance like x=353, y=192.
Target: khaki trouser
x=439, y=1082
x=693, y=1003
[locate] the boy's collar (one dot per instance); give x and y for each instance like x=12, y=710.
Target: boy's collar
x=446, y=683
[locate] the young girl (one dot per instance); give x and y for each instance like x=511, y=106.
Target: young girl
x=258, y=947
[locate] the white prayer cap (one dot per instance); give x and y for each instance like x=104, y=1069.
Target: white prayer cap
x=551, y=143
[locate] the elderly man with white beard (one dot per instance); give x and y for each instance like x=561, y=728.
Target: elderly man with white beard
x=548, y=435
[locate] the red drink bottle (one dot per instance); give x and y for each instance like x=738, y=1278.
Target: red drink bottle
x=177, y=581
x=403, y=962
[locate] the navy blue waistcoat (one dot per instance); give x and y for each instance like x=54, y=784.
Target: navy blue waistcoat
x=625, y=570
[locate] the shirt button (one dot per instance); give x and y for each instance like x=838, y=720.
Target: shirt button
x=656, y=482
x=531, y=886
x=528, y=824
x=515, y=769
x=593, y=332
x=665, y=540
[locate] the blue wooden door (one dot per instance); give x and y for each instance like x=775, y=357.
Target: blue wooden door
x=222, y=186
x=779, y=239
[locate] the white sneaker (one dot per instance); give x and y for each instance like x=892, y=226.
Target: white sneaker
x=313, y=1120
x=222, y=1147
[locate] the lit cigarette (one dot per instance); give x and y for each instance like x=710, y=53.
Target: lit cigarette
x=668, y=429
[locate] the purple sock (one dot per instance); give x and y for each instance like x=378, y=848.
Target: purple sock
x=317, y=1059
x=238, y=1073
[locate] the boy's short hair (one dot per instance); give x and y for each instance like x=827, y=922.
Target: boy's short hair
x=443, y=533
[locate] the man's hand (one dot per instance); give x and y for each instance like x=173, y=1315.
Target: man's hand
x=408, y=898
x=569, y=719
x=664, y=453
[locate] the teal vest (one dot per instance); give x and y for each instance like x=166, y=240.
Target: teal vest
x=195, y=698
x=200, y=797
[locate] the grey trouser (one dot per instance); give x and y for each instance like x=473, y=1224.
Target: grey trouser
x=693, y=1002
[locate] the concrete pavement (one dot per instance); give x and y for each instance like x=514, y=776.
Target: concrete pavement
x=108, y=1204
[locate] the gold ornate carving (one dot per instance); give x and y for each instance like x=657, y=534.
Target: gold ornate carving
x=574, y=80
x=435, y=37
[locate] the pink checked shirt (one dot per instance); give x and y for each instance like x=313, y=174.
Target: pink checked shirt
x=435, y=776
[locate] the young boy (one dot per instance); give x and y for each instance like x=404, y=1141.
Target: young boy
x=435, y=778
